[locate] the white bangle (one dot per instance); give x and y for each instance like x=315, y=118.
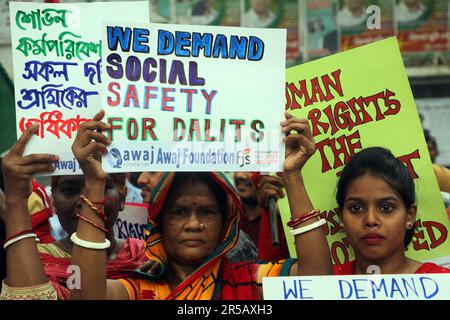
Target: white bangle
x=88, y=244
x=16, y=239
x=309, y=227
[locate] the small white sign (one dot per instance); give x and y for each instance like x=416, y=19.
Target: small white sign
x=359, y=287
x=57, y=62
x=193, y=98
x=131, y=221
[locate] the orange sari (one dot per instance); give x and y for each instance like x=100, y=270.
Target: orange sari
x=215, y=278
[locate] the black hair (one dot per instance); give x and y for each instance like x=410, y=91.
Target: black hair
x=134, y=179
x=381, y=163
x=429, y=138
x=204, y=178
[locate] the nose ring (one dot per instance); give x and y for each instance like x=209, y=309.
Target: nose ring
x=202, y=226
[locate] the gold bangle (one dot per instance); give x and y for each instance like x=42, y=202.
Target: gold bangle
x=40, y=292
x=94, y=208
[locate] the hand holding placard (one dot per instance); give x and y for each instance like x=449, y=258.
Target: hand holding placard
x=89, y=145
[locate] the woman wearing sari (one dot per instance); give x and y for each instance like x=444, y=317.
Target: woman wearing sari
x=378, y=211
x=193, y=223
x=123, y=255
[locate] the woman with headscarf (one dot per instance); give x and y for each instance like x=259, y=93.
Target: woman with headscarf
x=123, y=254
x=193, y=223
x=28, y=213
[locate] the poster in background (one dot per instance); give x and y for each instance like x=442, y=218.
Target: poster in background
x=5, y=24
x=208, y=12
x=364, y=21
x=351, y=105
x=57, y=62
x=192, y=98
x=283, y=14
x=322, y=33
x=422, y=30
x=161, y=11
x=5, y=20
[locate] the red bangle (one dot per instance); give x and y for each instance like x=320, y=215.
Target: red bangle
x=105, y=230
x=17, y=235
x=296, y=221
x=97, y=210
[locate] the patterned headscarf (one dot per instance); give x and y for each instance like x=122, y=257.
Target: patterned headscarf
x=201, y=283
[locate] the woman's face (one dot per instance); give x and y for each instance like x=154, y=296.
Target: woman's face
x=375, y=218
x=191, y=223
x=67, y=201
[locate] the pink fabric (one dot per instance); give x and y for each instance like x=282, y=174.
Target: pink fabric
x=39, y=220
x=129, y=258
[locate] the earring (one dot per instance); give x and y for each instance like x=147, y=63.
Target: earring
x=342, y=226
x=409, y=225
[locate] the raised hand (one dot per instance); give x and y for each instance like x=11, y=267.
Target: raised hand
x=24, y=267
x=90, y=144
x=18, y=170
x=300, y=146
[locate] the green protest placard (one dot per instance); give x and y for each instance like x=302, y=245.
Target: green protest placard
x=354, y=100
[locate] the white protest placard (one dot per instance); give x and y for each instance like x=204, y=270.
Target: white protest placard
x=359, y=287
x=193, y=98
x=57, y=62
x=131, y=222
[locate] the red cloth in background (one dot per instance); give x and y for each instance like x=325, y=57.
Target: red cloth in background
x=130, y=257
x=39, y=219
x=251, y=227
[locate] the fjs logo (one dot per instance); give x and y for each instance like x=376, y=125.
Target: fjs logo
x=243, y=157
x=115, y=158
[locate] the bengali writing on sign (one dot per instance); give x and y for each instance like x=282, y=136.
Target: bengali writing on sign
x=53, y=55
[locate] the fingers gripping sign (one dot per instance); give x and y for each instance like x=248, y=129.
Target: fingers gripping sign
x=18, y=169
x=90, y=144
x=300, y=145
